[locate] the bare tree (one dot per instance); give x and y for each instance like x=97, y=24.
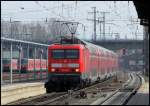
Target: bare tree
x=35, y=31
x=5, y=28
x=32, y=31
x=2, y=28
x=24, y=32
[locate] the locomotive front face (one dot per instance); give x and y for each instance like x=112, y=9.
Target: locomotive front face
x=64, y=64
x=64, y=61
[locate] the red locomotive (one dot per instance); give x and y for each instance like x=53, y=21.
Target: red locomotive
x=78, y=63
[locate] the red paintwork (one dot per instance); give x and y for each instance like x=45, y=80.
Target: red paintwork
x=65, y=61
x=14, y=64
x=91, y=58
x=35, y=64
x=43, y=64
x=30, y=65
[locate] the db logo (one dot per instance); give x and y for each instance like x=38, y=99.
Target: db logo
x=65, y=65
x=65, y=61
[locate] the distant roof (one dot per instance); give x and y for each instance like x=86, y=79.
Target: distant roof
x=21, y=41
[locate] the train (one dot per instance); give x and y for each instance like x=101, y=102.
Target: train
x=27, y=65
x=76, y=63
x=6, y=65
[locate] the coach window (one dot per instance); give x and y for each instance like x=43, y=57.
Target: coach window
x=24, y=61
x=6, y=61
x=93, y=51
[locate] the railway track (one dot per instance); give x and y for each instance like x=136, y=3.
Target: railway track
x=65, y=98
x=37, y=99
x=122, y=95
x=51, y=97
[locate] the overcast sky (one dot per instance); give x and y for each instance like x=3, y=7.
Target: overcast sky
x=70, y=10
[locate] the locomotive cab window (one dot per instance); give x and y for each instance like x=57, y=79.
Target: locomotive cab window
x=72, y=54
x=65, y=54
x=58, y=54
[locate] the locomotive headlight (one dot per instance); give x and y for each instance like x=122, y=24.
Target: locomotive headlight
x=77, y=70
x=52, y=70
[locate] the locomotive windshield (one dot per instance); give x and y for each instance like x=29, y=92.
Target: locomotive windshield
x=65, y=54
x=72, y=53
x=58, y=54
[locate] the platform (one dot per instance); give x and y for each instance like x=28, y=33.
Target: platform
x=13, y=92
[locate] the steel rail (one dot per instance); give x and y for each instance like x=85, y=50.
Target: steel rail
x=132, y=85
x=37, y=100
x=115, y=92
x=67, y=95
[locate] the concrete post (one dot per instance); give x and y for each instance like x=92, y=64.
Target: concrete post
x=47, y=63
x=20, y=50
x=34, y=63
x=1, y=62
x=11, y=63
x=28, y=58
x=40, y=63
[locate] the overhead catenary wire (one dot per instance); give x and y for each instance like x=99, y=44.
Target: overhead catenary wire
x=77, y=5
x=45, y=9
